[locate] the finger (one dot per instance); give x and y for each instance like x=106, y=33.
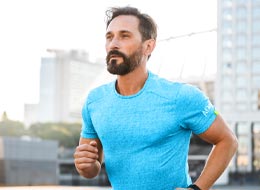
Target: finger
x=84, y=166
x=84, y=161
x=93, y=143
x=85, y=154
x=87, y=147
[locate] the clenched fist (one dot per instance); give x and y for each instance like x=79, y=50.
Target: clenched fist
x=86, y=159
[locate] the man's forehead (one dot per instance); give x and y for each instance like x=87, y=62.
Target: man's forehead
x=123, y=23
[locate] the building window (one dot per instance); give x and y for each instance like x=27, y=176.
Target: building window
x=256, y=53
x=227, y=3
x=256, y=12
x=241, y=13
x=227, y=55
x=241, y=54
x=258, y=100
x=255, y=100
x=241, y=106
x=227, y=82
x=241, y=40
x=241, y=81
x=226, y=41
x=256, y=39
x=227, y=69
x=255, y=27
x=255, y=2
x=242, y=2
x=243, y=130
x=256, y=81
x=241, y=26
x=227, y=96
x=254, y=106
x=241, y=68
x=226, y=107
x=227, y=27
x=254, y=95
x=256, y=146
x=227, y=14
x=241, y=95
x=256, y=67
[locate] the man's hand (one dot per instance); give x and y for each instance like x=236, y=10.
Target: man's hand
x=86, y=159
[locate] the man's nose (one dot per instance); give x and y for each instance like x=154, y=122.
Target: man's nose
x=114, y=44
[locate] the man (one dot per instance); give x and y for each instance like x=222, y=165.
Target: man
x=143, y=123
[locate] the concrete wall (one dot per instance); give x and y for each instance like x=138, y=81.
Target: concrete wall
x=28, y=161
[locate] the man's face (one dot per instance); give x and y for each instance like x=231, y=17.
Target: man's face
x=128, y=63
x=123, y=45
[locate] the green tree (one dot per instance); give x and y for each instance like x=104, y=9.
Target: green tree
x=12, y=128
x=66, y=133
x=4, y=116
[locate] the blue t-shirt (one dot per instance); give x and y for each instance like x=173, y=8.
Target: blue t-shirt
x=146, y=136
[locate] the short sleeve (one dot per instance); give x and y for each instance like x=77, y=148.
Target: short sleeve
x=196, y=111
x=87, y=130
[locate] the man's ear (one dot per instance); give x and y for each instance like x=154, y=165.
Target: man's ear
x=149, y=46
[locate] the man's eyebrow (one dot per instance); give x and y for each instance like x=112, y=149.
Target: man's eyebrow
x=108, y=33
x=121, y=31
x=125, y=31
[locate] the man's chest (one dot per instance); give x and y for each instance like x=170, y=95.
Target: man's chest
x=149, y=121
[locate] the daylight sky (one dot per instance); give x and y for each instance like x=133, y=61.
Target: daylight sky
x=29, y=27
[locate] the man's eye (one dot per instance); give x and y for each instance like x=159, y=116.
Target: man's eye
x=108, y=37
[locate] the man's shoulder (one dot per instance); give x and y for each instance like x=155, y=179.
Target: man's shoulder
x=101, y=91
x=165, y=87
x=170, y=88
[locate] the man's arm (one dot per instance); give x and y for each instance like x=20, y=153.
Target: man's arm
x=225, y=145
x=88, y=157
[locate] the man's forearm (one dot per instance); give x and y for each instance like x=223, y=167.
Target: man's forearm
x=217, y=162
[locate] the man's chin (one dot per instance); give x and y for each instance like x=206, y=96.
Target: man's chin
x=111, y=70
x=116, y=71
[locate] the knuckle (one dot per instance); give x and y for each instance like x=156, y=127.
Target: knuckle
x=84, y=166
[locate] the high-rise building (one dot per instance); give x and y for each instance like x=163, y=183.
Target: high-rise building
x=65, y=78
x=238, y=80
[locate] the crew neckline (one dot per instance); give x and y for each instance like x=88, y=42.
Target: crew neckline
x=133, y=95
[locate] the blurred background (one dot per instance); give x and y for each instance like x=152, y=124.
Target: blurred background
x=52, y=52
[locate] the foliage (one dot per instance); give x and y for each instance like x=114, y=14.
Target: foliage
x=4, y=117
x=12, y=128
x=66, y=133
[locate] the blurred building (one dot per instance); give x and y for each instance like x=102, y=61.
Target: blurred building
x=65, y=78
x=26, y=161
x=238, y=80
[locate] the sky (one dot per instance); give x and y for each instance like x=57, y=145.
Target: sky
x=29, y=27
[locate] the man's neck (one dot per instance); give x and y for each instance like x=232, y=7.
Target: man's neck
x=131, y=83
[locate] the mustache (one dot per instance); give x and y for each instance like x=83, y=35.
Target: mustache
x=115, y=52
